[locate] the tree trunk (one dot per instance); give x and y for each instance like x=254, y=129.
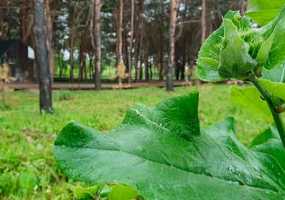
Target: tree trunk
x=81, y=63
x=139, y=40
x=161, y=43
x=172, y=31
x=146, y=71
x=91, y=68
x=204, y=21
x=125, y=50
x=146, y=63
x=61, y=65
x=131, y=40
x=71, y=60
x=120, y=60
x=45, y=83
x=71, y=46
x=49, y=26
x=26, y=24
x=243, y=6
x=85, y=71
x=97, y=37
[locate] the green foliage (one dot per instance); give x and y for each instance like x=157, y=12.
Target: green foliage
x=248, y=53
x=251, y=101
x=28, y=182
x=238, y=49
x=275, y=41
x=276, y=74
x=64, y=96
x=8, y=183
x=269, y=143
x=209, y=55
x=27, y=137
x=264, y=51
x=121, y=192
x=235, y=61
x=276, y=90
x=86, y=192
x=4, y=106
x=263, y=11
x=165, y=156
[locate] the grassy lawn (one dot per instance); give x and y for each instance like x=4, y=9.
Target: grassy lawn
x=27, y=167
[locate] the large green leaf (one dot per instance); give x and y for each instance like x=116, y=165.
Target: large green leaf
x=163, y=154
x=263, y=11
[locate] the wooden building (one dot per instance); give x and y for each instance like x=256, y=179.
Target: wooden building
x=15, y=54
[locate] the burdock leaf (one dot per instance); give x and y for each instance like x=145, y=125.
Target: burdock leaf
x=164, y=155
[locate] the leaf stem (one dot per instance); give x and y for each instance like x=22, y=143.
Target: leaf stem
x=275, y=114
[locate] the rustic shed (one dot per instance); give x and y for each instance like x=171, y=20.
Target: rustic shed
x=15, y=54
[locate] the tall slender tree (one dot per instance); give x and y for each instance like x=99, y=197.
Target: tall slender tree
x=161, y=41
x=140, y=34
x=172, y=31
x=243, y=6
x=131, y=40
x=49, y=25
x=120, y=60
x=204, y=21
x=26, y=29
x=45, y=82
x=97, y=37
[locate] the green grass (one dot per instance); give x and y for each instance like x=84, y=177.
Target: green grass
x=27, y=166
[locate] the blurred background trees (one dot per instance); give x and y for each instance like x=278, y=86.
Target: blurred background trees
x=88, y=39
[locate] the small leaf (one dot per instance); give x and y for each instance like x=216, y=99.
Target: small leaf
x=269, y=143
x=264, y=50
x=276, y=74
x=275, y=43
x=210, y=57
x=210, y=52
x=85, y=192
x=264, y=137
x=235, y=61
x=121, y=192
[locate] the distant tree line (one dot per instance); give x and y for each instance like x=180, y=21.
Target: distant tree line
x=136, y=37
